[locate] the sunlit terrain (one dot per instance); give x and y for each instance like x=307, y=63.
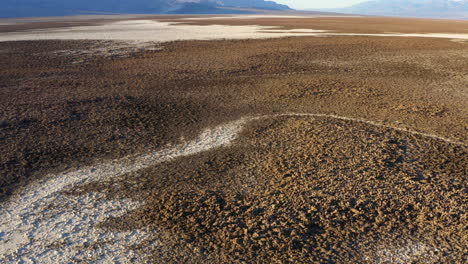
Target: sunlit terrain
x=233, y=139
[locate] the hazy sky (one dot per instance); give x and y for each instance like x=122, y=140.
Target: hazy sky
x=303, y=4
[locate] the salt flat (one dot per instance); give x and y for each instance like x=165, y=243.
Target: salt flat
x=345, y=146
x=257, y=16
x=157, y=31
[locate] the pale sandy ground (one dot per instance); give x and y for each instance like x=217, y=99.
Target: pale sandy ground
x=156, y=31
x=41, y=224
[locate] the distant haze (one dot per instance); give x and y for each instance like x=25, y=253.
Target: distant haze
x=311, y=4
x=452, y=9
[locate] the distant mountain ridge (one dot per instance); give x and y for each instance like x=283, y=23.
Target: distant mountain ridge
x=456, y=9
x=258, y=4
x=29, y=8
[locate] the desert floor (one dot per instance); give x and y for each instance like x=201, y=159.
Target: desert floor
x=301, y=148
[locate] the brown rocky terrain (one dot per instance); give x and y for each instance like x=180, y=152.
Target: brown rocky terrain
x=344, y=23
x=291, y=189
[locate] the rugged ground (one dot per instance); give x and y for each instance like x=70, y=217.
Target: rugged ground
x=353, y=184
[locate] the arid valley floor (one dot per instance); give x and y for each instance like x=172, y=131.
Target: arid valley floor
x=233, y=140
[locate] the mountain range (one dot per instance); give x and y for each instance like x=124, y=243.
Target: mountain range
x=454, y=9
x=30, y=8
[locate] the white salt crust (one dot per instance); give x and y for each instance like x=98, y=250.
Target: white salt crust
x=156, y=31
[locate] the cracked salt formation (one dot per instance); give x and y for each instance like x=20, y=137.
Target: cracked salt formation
x=41, y=223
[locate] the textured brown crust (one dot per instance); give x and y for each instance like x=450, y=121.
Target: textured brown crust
x=292, y=189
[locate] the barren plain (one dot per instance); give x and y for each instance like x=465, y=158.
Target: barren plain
x=224, y=140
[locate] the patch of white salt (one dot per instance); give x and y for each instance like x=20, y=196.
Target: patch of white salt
x=460, y=40
x=402, y=254
x=40, y=224
x=154, y=31
x=149, y=31
x=414, y=35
